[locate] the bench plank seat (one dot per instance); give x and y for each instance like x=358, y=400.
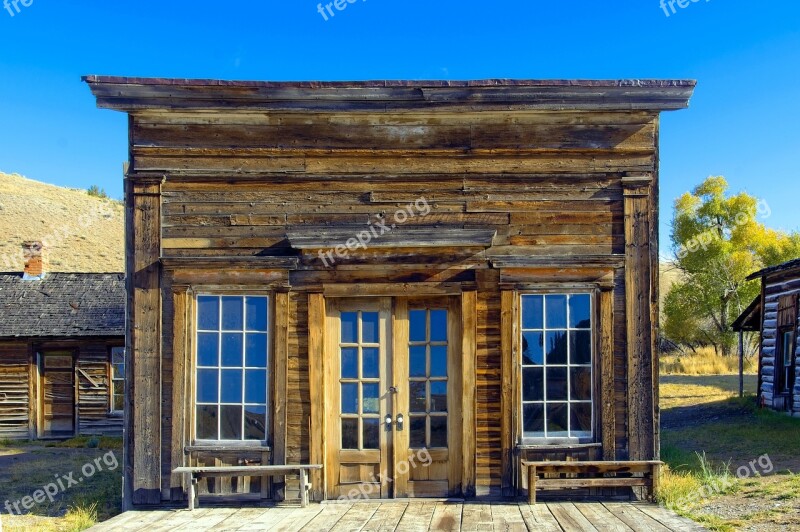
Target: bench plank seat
x=593, y=474
x=246, y=471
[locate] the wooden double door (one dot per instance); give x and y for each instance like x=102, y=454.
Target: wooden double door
x=393, y=393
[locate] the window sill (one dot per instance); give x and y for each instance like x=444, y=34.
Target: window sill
x=565, y=446
x=210, y=447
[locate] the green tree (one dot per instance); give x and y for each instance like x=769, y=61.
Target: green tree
x=718, y=241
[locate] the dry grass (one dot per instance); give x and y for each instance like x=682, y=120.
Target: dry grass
x=708, y=434
x=83, y=233
x=704, y=362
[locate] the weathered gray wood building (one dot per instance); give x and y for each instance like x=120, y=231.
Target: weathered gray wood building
x=774, y=314
x=62, y=340
x=349, y=274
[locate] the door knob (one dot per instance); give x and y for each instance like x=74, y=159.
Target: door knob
x=399, y=421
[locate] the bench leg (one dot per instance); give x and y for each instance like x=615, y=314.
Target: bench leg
x=303, y=488
x=532, y=484
x=656, y=473
x=192, y=492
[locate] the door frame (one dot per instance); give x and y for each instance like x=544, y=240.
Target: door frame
x=461, y=325
x=332, y=399
x=41, y=354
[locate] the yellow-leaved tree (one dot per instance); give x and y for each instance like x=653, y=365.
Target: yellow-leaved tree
x=718, y=240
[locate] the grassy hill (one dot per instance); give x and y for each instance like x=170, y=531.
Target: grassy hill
x=82, y=233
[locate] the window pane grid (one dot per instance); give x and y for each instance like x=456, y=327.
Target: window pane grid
x=117, y=379
x=557, y=389
x=428, y=348
x=239, y=368
x=360, y=413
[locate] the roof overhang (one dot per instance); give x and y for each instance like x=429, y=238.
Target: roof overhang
x=134, y=94
x=750, y=320
x=785, y=267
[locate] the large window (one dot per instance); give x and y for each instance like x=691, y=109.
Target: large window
x=117, y=379
x=232, y=357
x=556, y=359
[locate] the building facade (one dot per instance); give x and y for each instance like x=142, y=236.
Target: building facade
x=415, y=284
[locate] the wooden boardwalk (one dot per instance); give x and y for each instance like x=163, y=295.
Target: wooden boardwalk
x=387, y=516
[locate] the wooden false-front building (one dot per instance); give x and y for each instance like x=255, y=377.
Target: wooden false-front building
x=416, y=285
x=62, y=339
x=774, y=315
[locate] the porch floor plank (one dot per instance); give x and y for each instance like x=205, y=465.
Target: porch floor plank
x=387, y=517
x=419, y=518
x=539, y=517
x=422, y=516
x=601, y=518
x=635, y=518
x=570, y=518
x=447, y=516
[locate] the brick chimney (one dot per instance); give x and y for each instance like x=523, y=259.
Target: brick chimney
x=33, y=253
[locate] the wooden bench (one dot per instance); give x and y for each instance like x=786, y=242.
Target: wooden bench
x=592, y=475
x=198, y=472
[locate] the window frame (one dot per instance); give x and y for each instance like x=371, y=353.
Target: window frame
x=112, y=387
x=554, y=441
x=192, y=402
x=786, y=382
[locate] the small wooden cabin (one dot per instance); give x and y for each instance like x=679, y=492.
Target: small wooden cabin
x=774, y=314
x=62, y=352
x=415, y=284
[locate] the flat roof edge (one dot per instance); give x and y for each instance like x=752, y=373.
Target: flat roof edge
x=140, y=94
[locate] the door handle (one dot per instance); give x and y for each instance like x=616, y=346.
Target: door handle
x=399, y=422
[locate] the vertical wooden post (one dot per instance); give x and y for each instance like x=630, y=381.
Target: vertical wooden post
x=508, y=331
x=642, y=429
x=741, y=363
x=180, y=402
x=143, y=372
x=608, y=423
x=281, y=359
x=469, y=317
x=316, y=365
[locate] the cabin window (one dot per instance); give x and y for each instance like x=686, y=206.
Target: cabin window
x=786, y=367
x=117, y=379
x=556, y=367
x=231, y=368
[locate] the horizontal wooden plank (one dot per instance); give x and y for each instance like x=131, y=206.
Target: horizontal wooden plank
x=398, y=164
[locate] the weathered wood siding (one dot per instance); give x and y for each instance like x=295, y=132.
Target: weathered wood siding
x=15, y=390
x=19, y=376
x=94, y=393
x=776, y=288
x=552, y=184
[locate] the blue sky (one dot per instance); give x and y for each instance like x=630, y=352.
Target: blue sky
x=745, y=55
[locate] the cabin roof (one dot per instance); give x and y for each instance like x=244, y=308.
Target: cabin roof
x=786, y=266
x=62, y=305
x=131, y=94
